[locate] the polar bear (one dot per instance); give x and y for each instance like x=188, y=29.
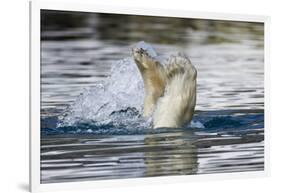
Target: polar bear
x=170, y=87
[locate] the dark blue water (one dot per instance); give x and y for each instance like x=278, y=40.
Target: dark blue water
x=225, y=122
x=92, y=94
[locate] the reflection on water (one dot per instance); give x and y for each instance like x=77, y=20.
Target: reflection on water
x=77, y=52
x=175, y=154
x=125, y=156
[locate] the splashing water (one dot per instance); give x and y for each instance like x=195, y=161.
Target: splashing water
x=116, y=101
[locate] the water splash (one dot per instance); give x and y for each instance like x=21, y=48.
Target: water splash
x=116, y=101
x=196, y=124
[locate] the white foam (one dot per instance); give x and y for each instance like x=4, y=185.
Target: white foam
x=196, y=124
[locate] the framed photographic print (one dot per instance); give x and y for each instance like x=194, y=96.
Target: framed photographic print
x=133, y=96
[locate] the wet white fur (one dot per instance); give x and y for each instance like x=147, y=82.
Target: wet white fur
x=176, y=107
x=170, y=90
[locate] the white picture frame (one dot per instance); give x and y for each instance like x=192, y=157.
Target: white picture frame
x=36, y=6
